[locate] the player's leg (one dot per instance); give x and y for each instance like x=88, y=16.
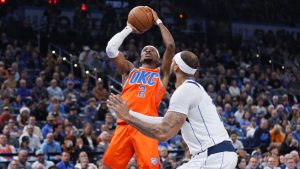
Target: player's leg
x=146, y=151
x=120, y=149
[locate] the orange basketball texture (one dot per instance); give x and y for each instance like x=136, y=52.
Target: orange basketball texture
x=141, y=18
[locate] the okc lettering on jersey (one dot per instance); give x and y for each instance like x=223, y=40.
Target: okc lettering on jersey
x=143, y=77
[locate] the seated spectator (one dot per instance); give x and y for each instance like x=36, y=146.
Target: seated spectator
x=53, y=102
x=34, y=141
x=276, y=134
x=70, y=89
x=274, y=119
x=4, y=117
x=261, y=136
x=289, y=144
x=290, y=163
x=12, y=140
x=296, y=133
x=40, y=111
x=242, y=163
x=50, y=146
x=55, y=91
x=103, y=110
x=271, y=163
x=253, y=163
x=13, y=164
x=58, y=133
x=90, y=109
x=103, y=144
x=5, y=148
x=240, y=112
x=23, y=117
x=99, y=91
x=58, y=116
x=74, y=118
x=234, y=90
x=22, y=160
x=23, y=91
x=36, y=129
x=41, y=160
x=227, y=111
x=88, y=136
x=39, y=92
x=109, y=122
x=237, y=144
x=17, y=104
x=83, y=98
x=80, y=148
x=84, y=163
x=65, y=162
x=14, y=129
x=24, y=145
x=48, y=127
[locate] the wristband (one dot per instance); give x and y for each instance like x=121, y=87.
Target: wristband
x=158, y=21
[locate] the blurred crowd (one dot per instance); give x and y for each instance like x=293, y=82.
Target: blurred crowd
x=55, y=114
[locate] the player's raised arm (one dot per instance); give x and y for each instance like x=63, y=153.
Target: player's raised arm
x=112, y=50
x=169, y=51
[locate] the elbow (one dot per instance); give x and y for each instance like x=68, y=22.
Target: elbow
x=170, y=46
x=162, y=137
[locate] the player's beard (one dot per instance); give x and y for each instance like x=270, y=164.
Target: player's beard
x=148, y=61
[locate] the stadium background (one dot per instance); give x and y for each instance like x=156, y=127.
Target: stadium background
x=249, y=57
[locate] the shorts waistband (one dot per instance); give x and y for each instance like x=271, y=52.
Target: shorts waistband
x=122, y=123
x=225, y=146
x=221, y=147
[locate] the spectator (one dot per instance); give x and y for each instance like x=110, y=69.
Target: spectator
x=241, y=164
x=99, y=92
x=50, y=146
x=80, y=148
x=227, y=111
x=103, y=110
x=109, y=122
x=74, y=118
x=261, y=136
x=90, y=110
x=84, y=163
x=103, y=144
x=48, y=127
x=13, y=164
x=23, y=91
x=240, y=112
x=5, y=148
x=22, y=160
x=41, y=160
x=289, y=144
x=88, y=136
x=4, y=117
x=39, y=92
x=36, y=129
x=12, y=140
x=58, y=133
x=271, y=163
x=34, y=141
x=276, y=134
x=70, y=89
x=164, y=159
x=234, y=90
x=55, y=91
x=237, y=144
x=253, y=163
x=290, y=163
x=23, y=117
x=65, y=162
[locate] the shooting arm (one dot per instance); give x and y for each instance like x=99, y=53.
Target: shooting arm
x=112, y=50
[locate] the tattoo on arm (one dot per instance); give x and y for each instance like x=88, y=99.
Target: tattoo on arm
x=170, y=126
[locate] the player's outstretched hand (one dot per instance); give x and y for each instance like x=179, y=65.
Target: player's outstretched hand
x=134, y=30
x=117, y=104
x=155, y=16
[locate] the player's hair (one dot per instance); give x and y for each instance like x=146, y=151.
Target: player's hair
x=190, y=59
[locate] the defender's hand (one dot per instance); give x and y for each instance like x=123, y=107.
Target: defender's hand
x=117, y=104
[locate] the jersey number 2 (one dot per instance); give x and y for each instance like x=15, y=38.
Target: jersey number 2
x=142, y=91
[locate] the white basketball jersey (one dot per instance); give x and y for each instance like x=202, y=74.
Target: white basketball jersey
x=203, y=127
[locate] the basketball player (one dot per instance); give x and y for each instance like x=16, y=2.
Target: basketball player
x=143, y=89
x=191, y=110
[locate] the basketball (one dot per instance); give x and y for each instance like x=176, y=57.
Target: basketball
x=141, y=18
